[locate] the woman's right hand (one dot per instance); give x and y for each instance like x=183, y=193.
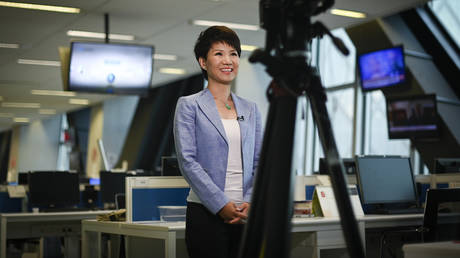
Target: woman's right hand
x=232, y=214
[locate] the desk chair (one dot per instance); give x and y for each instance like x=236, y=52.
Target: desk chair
x=434, y=197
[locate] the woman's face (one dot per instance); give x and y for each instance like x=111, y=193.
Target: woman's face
x=221, y=64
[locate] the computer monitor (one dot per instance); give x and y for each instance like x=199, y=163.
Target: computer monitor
x=170, y=166
x=348, y=163
x=413, y=117
x=446, y=165
x=383, y=68
x=53, y=189
x=385, y=182
x=111, y=183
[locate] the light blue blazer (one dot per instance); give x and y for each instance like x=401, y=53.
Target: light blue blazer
x=202, y=146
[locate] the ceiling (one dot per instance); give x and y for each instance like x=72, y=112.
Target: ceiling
x=162, y=23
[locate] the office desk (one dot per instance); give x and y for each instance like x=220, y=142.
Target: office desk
x=315, y=234
x=448, y=249
x=36, y=225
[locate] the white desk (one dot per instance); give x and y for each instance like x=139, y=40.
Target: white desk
x=449, y=249
x=317, y=233
x=36, y=225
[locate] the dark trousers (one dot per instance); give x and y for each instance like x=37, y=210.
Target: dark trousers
x=206, y=234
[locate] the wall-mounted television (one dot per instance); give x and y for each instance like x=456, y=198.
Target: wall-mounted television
x=382, y=68
x=412, y=117
x=110, y=68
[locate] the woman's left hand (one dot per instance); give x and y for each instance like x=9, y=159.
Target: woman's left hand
x=244, y=209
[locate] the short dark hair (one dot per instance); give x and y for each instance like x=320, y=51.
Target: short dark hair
x=213, y=35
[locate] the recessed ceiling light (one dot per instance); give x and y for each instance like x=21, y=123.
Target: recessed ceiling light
x=39, y=62
x=51, y=8
x=98, y=35
x=9, y=45
x=47, y=111
x=21, y=119
x=53, y=93
x=231, y=25
x=20, y=105
x=79, y=101
x=165, y=57
x=172, y=70
x=248, y=48
x=348, y=13
x=6, y=115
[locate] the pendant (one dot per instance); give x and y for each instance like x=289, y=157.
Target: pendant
x=228, y=106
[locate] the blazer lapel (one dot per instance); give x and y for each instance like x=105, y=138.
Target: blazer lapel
x=242, y=111
x=208, y=106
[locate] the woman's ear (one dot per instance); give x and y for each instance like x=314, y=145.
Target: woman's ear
x=202, y=62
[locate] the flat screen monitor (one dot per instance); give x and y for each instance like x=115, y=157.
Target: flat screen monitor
x=110, y=68
x=53, y=189
x=412, y=117
x=446, y=165
x=385, y=180
x=349, y=164
x=111, y=184
x=382, y=68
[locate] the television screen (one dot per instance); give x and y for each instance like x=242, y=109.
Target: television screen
x=412, y=117
x=382, y=68
x=110, y=68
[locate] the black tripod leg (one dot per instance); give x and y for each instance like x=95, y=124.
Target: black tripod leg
x=269, y=219
x=336, y=168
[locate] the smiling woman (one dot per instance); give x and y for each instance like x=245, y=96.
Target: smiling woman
x=218, y=137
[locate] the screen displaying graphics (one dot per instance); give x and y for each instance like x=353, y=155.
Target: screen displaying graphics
x=382, y=68
x=412, y=117
x=110, y=68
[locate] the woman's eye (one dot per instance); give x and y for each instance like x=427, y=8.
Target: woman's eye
x=234, y=54
x=218, y=54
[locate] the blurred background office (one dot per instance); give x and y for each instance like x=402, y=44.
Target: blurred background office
x=49, y=123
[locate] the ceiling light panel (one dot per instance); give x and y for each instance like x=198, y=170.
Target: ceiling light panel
x=53, y=93
x=21, y=120
x=238, y=26
x=47, y=111
x=8, y=45
x=348, y=13
x=98, y=35
x=172, y=70
x=40, y=7
x=165, y=57
x=79, y=101
x=39, y=62
x=20, y=105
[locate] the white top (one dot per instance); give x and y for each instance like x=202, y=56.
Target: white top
x=234, y=177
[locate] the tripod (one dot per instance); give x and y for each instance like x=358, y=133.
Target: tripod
x=289, y=31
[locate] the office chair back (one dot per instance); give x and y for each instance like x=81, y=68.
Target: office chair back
x=434, y=197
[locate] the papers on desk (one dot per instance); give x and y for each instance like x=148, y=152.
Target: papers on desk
x=324, y=203
x=16, y=191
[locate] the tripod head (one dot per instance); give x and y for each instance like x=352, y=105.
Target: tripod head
x=289, y=32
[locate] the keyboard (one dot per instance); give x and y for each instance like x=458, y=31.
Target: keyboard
x=413, y=210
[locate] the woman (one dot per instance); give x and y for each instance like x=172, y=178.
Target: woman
x=218, y=137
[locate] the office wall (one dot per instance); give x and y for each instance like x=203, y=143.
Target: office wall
x=38, y=145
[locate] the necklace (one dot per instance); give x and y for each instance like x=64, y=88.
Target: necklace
x=227, y=106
